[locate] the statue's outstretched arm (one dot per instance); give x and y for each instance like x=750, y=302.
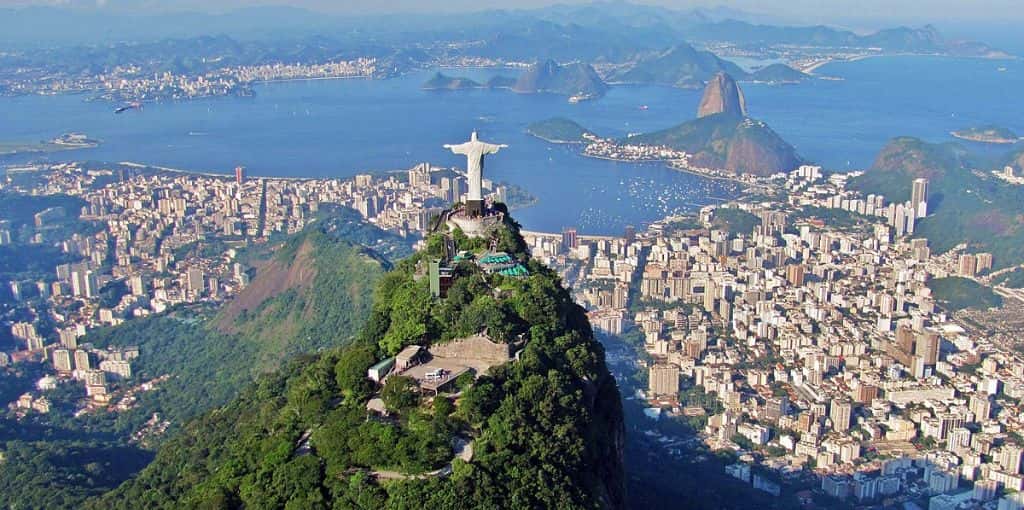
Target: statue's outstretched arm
x=462, y=148
x=491, y=148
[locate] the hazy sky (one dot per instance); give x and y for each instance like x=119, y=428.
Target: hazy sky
x=807, y=11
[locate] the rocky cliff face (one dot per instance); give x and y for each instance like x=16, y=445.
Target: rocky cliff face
x=722, y=95
x=757, y=150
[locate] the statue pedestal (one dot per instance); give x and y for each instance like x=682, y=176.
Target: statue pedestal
x=475, y=208
x=474, y=226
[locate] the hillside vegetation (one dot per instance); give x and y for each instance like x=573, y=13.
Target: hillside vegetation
x=957, y=293
x=546, y=429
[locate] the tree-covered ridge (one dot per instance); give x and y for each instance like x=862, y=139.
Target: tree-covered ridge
x=546, y=429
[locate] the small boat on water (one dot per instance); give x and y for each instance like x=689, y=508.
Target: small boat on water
x=643, y=107
x=1001, y=69
x=129, y=106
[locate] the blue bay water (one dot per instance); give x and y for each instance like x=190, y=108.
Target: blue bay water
x=337, y=128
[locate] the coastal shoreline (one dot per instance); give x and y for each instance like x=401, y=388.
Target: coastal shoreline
x=50, y=147
x=811, y=68
x=672, y=164
x=311, y=78
x=207, y=173
x=556, y=142
x=981, y=139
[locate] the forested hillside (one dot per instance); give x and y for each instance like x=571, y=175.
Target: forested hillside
x=544, y=430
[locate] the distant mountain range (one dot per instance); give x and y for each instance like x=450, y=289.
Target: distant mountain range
x=686, y=67
x=679, y=66
x=610, y=31
x=926, y=39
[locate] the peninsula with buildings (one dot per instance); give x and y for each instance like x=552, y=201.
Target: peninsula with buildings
x=722, y=142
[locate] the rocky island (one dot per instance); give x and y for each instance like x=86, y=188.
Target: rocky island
x=576, y=79
x=442, y=81
x=987, y=134
x=777, y=74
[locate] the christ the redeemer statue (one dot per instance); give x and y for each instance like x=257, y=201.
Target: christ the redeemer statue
x=475, y=150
